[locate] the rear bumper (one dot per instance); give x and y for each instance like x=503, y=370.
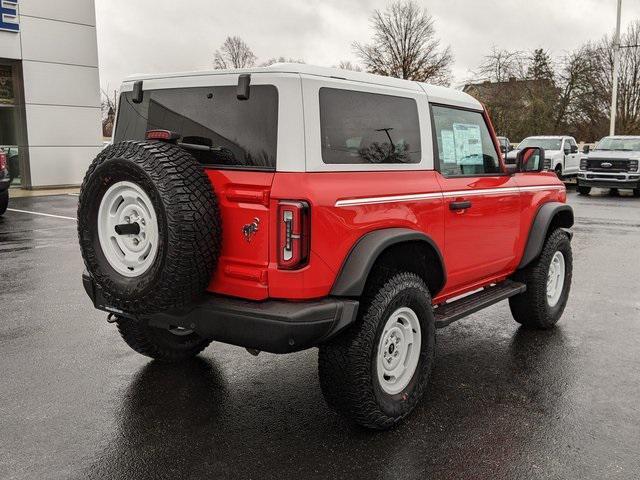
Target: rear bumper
x=272, y=326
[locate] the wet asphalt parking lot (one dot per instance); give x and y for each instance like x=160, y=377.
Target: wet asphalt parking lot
x=504, y=402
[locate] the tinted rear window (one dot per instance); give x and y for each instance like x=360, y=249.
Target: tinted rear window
x=242, y=133
x=361, y=127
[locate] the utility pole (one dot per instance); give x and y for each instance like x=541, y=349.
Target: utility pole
x=616, y=66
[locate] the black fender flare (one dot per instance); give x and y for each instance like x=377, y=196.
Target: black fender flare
x=355, y=270
x=549, y=212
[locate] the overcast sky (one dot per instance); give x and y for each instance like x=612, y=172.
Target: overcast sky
x=150, y=36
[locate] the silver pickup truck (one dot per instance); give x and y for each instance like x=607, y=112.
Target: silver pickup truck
x=614, y=163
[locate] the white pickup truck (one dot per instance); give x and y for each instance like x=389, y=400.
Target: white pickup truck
x=561, y=153
x=613, y=164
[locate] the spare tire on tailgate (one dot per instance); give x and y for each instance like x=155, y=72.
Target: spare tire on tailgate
x=149, y=226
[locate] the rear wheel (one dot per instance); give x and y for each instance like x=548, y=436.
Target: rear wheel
x=4, y=202
x=548, y=281
x=584, y=190
x=376, y=372
x=172, y=344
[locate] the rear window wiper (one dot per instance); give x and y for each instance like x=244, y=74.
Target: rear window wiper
x=202, y=148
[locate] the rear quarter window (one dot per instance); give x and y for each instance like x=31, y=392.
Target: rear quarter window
x=368, y=128
x=240, y=133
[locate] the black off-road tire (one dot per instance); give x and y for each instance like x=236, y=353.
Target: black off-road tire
x=189, y=226
x=348, y=364
x=531, y=308
x=558, y=172
x=583, y=190
x=160, y=344
x=636, y=192
x=4, y=202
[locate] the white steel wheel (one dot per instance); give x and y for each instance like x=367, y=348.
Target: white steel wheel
x=398, y=350
x=555, y=279
x=128, y=229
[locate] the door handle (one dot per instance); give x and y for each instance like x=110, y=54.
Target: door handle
x=460, y=205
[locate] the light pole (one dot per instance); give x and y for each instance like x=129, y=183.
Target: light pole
x=616, y=66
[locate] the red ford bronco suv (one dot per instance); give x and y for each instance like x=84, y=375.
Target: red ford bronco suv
x=291, y=207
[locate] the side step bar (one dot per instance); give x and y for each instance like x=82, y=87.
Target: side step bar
x=447, y=313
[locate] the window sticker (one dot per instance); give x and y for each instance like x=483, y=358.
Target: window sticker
x=468, y=144
x=448, y=146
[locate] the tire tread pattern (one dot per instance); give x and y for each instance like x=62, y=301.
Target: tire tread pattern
x=345, y=364
x=160, y=344
x=193, y=225
x=531, y=308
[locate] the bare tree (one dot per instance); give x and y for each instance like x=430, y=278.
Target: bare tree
x=108, y=105
x=500, y=65
x=348, y=65
x=628, y=107
x=234, y=53
x=404, y=45
x=576, y=110
x=108, y=101
x=519, y=90
x=281, y=59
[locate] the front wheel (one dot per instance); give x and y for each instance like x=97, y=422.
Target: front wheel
x=584, y=190
x=169, y=345
x=636, y=192
x=548, y=281
x=558, y=171
x=375, y=373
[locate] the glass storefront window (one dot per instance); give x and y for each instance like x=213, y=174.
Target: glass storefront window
x=9, y=122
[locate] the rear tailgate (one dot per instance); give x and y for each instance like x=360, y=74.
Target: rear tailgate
x=244, y=207
x=236, y=142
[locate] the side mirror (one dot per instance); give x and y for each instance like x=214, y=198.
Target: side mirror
x=567, y=151
x=503, y=149
x=586, y=149
x=574, y=148
x=530, y=159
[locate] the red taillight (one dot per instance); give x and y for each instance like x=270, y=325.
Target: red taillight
x=3, y=161
x=164, y=135
x=294, y=234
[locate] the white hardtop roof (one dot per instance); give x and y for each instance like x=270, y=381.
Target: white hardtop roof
x=435, y=93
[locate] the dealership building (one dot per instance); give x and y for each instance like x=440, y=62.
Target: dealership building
x=50, y=119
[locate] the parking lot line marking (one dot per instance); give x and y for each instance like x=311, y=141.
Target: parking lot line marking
x=41, y=214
